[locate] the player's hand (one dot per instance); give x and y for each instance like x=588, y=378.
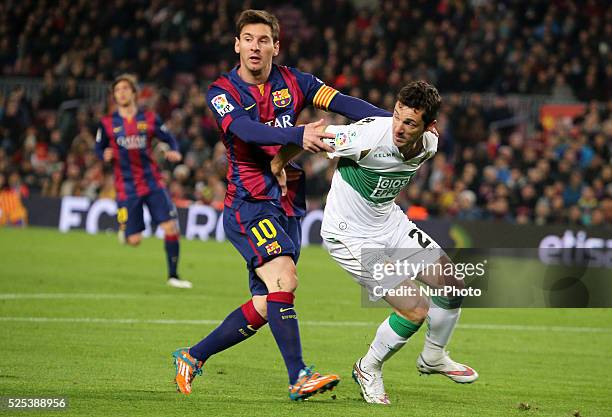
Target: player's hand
x=313, y=135
x=108, y=155
x=173, y=156
x=281, y=177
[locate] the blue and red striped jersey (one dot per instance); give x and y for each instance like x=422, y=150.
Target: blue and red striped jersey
x=276, y=103
x=135, y=171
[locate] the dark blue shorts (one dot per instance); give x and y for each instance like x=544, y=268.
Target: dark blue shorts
x=130, y=214
x=261, y=231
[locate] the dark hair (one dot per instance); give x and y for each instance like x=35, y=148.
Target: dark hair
x=249, y=17
x=131, y=79
x=423, y=96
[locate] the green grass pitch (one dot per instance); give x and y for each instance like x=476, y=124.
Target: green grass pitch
x=83, y=317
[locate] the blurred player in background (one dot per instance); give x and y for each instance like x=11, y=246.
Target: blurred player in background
x=12, y=210
x=125, y=139
x=256, y=106
x=362, y=226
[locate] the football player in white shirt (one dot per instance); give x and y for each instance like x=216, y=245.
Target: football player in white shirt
x=367, y=233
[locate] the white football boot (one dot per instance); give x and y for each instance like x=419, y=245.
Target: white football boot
x=371, y=383
x=179, y=283
x=456, y=371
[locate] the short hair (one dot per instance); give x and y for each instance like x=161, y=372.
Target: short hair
x=250, y=17
x=129, y=78
x=423, y=96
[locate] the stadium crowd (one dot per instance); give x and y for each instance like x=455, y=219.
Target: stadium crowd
x=559, y=49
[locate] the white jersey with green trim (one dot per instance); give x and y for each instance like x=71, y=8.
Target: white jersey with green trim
x=371, y=173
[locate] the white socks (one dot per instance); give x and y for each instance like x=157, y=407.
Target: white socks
x=394, y=332
x=440, y=323
x=391, y=336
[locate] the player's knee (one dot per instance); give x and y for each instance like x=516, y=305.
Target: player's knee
x=454, y=281
x=134, y=240
x=288, y=281
x=279, y=274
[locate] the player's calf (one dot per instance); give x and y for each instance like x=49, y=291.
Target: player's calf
x=391, y=336
x=442, y=319
x=172, y=249
x=238, y=326
x=280, y=278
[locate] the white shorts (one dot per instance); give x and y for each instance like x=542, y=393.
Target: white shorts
x=364, y=258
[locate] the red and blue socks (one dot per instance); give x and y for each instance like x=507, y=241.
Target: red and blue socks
x=171, y=245
x=284, y=326
x=238, y=326
x=244, y=322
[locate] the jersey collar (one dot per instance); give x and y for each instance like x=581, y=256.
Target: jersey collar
x=233, y=75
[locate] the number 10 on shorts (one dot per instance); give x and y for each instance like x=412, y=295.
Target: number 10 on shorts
x=267, y=228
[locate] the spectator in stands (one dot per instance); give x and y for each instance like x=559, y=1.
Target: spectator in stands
x=467, y=206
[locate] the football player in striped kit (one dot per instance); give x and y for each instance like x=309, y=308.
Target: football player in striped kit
x=256, y=106
x=124, y=138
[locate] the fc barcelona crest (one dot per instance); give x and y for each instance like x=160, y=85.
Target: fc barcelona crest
x=281, y=98
x=274, y=248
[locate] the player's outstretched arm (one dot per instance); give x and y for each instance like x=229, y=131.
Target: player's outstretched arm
x=306, y=137
x=231, y=117
x=355, y=108
x=251, y=131
x=328, y=98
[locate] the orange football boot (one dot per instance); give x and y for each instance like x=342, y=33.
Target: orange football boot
x=310, y=383
x=187, y=368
